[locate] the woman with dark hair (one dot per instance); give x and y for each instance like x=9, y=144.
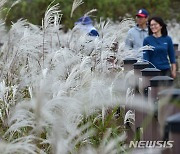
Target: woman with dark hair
x=163, y=55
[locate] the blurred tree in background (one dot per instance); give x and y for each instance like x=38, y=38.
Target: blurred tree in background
x=33, y=10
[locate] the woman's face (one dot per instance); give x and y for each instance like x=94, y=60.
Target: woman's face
x=155, y=27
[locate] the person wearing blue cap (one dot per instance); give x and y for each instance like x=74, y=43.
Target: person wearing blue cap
x=85, y=24
x=136, y=34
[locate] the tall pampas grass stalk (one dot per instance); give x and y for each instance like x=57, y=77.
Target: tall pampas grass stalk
x=52, y=16
x=2, y=2
x=76, y=4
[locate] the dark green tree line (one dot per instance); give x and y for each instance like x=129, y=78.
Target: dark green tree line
x=33, y=10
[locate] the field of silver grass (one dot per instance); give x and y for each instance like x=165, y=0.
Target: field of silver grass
x=59, y=92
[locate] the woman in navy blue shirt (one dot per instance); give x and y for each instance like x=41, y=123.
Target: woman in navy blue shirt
x=163, y=55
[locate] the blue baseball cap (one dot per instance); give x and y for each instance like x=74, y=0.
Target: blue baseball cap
x=85, y=20
x=142, y=13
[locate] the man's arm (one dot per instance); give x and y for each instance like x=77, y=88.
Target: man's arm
x=129, y=41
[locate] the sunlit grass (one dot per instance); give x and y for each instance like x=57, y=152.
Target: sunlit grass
x=61, y=92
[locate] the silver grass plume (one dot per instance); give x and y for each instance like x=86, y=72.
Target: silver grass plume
x=129, y=117
x=108, y=145
x=89, y=12
x=2, y=2
x=14, y=3
x=52, y=16
x=76, y=3
x=21, y=145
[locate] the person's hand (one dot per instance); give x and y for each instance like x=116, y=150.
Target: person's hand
x=173, y=73
x=173, y=70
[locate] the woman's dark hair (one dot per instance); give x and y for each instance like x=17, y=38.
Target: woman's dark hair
x=160, y=21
